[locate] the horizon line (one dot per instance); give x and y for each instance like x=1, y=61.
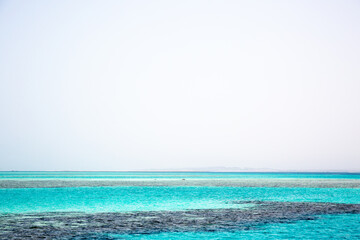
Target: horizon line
x=194, y=171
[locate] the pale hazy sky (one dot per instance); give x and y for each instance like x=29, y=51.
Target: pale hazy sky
x=121, y=85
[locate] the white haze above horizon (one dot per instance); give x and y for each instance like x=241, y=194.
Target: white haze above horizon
x=134, y=85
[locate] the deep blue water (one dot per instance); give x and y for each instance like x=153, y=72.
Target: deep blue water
x=130, y=175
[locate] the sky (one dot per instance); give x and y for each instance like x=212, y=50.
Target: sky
x=134, y=85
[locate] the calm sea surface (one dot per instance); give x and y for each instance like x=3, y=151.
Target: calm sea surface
x=223, y=206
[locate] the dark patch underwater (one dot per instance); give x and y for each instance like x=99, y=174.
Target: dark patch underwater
x=77, y=225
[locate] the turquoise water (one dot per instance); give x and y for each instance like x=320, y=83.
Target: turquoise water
x=110, y=199
x=132, y=199
x=337, y=227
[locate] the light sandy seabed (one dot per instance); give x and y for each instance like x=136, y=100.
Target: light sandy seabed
x=316, y=183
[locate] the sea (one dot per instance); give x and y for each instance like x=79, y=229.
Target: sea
x=179, y=205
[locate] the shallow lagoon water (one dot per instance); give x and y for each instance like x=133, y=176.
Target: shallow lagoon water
x=104, y=197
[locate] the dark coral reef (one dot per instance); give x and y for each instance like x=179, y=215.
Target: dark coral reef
x=69, y=225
